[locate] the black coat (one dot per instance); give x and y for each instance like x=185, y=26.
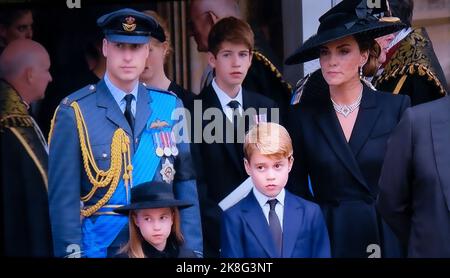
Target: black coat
x=344, y=176
x=172, y=250
x=24, y=213
x=220, y=166
x=415, y=180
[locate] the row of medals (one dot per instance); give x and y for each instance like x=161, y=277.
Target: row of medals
x=165, y=144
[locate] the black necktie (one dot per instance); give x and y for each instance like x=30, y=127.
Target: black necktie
x=234, y=105
x=128, y=114
x=274, y=226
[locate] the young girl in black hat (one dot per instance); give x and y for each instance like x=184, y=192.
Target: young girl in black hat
x=340, y=131
x=154, y=223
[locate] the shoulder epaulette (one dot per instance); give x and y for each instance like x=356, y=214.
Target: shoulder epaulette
x=15, y=121
x=259, y=56
x=81, y=93
x=412, y=58
x=13, y=112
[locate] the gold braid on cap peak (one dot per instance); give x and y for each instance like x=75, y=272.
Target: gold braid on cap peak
x=120, y=157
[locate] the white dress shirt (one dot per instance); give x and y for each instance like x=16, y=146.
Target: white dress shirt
x=225, y=99
x=279, y=208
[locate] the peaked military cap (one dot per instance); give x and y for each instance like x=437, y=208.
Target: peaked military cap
x=349, y=17
x=127, y=26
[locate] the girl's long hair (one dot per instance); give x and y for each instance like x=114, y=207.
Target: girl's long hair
x=134, y=245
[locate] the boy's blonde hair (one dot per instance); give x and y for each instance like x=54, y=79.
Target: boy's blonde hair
x=269, y=139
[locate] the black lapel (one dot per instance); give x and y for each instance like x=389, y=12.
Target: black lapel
x=143, y=110
x=113, y=112
x=368, y=115
x=440, y=122
x=328, y=122
x=212, y=101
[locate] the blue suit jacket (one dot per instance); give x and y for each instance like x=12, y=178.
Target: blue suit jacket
x=67, y=177
x=246, y=234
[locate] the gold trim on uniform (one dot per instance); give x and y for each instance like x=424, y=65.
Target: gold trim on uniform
x=410, y=59
x=32, y=155
x=273, y=69
x=120, y=160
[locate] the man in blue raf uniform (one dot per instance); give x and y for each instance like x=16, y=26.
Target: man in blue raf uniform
x=107, y=137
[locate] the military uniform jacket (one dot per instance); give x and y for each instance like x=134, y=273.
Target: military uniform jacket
x=24, y=203
x=67, y=177
x=414, y=70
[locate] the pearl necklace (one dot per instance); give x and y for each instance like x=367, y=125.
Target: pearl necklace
x=346, y=110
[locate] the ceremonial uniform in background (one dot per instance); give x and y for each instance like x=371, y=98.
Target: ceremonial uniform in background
x=413, y=69
x=24, y=203
x=264, y=78
x=92, y=119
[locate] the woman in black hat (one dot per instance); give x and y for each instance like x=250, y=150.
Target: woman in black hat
x=340, y=133
x=154, y=223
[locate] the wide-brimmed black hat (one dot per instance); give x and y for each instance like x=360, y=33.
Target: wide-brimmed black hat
x=349, y=17
x=152, y=195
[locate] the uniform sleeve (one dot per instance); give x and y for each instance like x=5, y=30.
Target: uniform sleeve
x=395, y=179
x=64, y=184
x=185, y=188
x=419, y=89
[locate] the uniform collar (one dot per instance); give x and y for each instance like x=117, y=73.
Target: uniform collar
x=118, y=93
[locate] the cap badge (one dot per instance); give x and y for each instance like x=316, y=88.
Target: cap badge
x=129, y=25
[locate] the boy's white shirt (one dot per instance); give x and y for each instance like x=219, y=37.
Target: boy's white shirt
x=224, y=99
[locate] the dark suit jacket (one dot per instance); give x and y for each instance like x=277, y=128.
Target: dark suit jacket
x=415, y=180
x=246, y=234
x=220, y=166
x=344, y=176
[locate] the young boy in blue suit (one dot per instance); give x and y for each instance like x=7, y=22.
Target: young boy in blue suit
x=270, y=222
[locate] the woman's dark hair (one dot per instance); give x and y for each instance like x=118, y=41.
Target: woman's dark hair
x=367, y=43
